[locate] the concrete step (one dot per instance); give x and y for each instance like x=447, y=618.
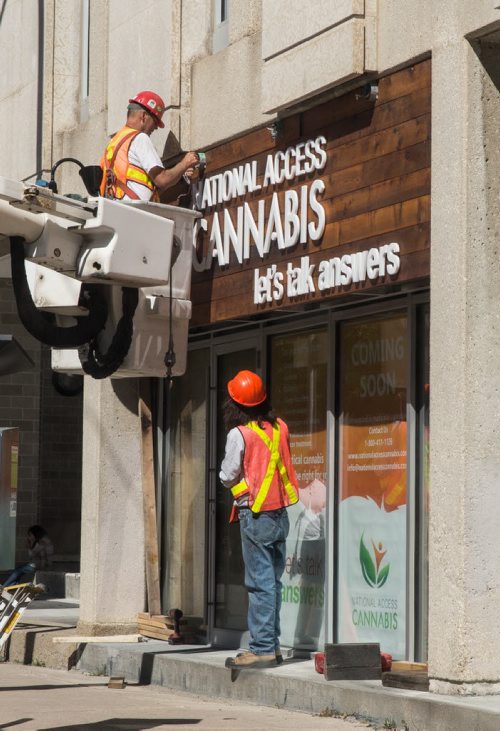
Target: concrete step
x=59, y=584
x=33, y=645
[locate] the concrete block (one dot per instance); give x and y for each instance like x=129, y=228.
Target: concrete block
x=72, y=586
x=246, y=19
x=325, y=61
x=54, y=582
x=288, y=23
x=221, y=108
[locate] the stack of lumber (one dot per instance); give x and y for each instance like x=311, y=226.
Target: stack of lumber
x=154, y=625
x=161, y=627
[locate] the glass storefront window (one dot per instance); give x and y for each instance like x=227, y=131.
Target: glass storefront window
x=379, y=566
x=298, y=391
x=372, y=533
x=185, y=507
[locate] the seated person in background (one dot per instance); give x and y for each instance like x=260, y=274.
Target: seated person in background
x=40, y=550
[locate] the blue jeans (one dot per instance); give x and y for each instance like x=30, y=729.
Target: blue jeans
x=27, y=568
x=263, y=542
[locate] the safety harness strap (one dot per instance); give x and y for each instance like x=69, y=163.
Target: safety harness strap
x=111, y=178
x=274, y=457
x=275, y=463
x=110, y=159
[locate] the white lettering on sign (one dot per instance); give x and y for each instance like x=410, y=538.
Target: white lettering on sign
x=281, y=220
x=299, y=279
x=297, y=218
x=333, y=273
x=352, y=268
x=269, y=286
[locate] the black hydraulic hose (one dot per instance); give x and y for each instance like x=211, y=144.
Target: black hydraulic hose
x=52, y=182
x=38, y=324
x=102, y=365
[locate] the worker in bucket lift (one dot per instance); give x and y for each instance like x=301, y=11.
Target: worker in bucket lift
x=132, y=168
x=257, y=467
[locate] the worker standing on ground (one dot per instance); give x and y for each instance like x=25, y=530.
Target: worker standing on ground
x=258, y=468
x=132, y=168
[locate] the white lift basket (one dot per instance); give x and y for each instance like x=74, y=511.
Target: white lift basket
x=142, y=245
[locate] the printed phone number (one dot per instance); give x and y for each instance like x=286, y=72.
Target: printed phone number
x=381, y=442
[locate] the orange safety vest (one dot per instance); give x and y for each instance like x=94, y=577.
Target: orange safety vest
x=117, y=170
x=269, y=475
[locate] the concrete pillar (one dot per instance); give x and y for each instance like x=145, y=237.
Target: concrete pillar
x=464, y=561
x=112, y=584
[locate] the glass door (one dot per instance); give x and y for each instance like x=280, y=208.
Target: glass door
x=298, y=371
x=228, y=596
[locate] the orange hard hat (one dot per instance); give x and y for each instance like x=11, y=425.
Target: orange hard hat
x=152, y=103
x=247, y=389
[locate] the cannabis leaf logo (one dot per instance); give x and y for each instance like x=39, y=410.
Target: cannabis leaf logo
x=372, y=573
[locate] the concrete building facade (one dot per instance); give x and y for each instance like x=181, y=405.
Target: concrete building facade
x=244, y=81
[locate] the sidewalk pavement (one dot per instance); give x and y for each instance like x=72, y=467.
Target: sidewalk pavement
x=39, y=699
x=200, y=670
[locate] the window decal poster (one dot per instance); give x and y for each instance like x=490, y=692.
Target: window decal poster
x=373, y=475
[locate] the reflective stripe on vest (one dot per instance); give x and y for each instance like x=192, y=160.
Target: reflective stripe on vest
x=275, y=463
x=240, y=489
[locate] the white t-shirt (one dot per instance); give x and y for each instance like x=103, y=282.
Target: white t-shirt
x=142, y=154
x=231, y=470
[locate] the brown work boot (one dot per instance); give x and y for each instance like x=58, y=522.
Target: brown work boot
x=277, y=654
x=248, y=660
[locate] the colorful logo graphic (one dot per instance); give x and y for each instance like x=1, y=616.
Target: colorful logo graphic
x=370, y=565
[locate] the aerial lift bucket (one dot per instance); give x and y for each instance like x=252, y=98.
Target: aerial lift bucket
x=70, y=244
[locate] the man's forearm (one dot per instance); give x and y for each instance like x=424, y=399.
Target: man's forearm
x=170, y=177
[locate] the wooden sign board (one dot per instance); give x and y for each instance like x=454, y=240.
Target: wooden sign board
x=373, y=166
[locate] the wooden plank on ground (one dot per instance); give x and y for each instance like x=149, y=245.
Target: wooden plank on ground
x=93, y=639
x=155, y=621
x=156, y=633
x=353, y=661
x=409, y=680
x=406, y=666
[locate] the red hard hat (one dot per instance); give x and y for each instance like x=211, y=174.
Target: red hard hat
x=152, y=103
x=247, y=389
